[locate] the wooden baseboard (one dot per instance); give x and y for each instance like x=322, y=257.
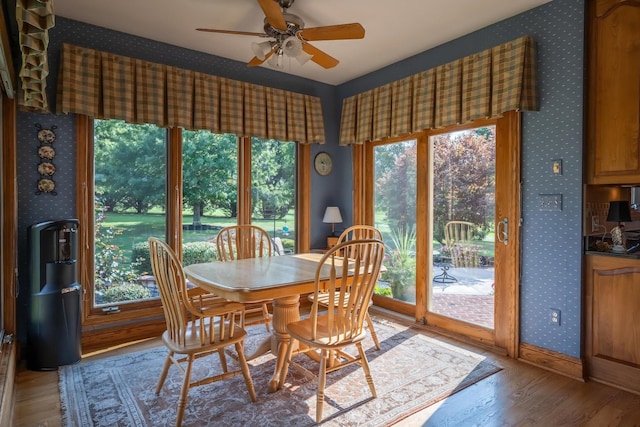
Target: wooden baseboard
x=552, y=361
x=8, y=366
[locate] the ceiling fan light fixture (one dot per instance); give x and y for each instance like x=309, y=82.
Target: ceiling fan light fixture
x=276, y=60
x=261, y=49
x=292, y=46
x=303, y=58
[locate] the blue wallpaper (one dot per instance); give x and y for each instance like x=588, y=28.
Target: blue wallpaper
x=551, y=241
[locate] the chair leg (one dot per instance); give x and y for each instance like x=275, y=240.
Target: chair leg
x=223, y=360
x=245, y=371
x=165, y=370
x=322, y=381
x=367, y=371
x=182, y=403
x=372, y=331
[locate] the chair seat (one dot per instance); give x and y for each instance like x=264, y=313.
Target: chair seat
x=192, y=339
x=301, y=330
x=323, y=298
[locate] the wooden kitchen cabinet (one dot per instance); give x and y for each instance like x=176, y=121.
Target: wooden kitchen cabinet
x=612, y=329
x=613, y=137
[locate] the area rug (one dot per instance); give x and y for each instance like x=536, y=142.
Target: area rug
x=411, y=371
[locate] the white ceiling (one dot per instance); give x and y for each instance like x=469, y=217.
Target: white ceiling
x=394, y=30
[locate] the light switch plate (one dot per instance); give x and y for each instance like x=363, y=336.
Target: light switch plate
x=550, y=202
x=556, y=167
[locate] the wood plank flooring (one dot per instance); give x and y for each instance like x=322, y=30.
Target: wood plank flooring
x=519, y=395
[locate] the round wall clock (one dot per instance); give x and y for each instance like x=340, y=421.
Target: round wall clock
x=323, y=163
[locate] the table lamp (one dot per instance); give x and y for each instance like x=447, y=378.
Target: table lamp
x=618, y=212
x=332, y=215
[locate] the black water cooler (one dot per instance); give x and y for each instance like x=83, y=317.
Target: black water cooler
x=54, y=330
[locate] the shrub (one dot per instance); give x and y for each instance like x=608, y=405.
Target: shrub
x=196, y=252
x=192, y=253
x=140, y=253
x=125, y=292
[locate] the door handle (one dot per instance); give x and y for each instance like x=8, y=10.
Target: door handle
x=503, y=231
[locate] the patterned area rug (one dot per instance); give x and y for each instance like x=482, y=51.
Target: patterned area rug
x=411, y=371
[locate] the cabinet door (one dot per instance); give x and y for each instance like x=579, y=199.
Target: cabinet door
x=612, y=301
x=615, y=80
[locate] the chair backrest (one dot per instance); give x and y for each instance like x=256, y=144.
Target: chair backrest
x=458, y=231
x=359, y=232
x=243, y=241
x=455, y=234
x=349, y=288
x=172, y=285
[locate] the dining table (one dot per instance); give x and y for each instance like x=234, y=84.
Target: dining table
x=279, y=278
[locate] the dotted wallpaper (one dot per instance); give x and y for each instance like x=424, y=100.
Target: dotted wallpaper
x=551, y=244
x=551, y=241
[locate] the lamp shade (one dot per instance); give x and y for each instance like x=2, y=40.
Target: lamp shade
x=619, y=211
x=292, y=46
x=332, y=215
x=261, y=49
x=303, y=58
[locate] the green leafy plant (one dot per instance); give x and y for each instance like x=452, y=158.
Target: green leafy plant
x=401, y=262
x=112, y=266
x=125, y=292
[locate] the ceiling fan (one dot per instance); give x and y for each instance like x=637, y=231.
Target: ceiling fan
x=290, y=38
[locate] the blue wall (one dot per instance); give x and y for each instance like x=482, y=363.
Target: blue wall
x=551, y=242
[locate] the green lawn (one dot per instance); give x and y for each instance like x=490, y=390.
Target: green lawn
x=136, y=228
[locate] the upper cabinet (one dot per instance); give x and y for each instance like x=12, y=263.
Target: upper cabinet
x=613, y=147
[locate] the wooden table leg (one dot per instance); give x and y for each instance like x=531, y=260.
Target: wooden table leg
x=285, y=310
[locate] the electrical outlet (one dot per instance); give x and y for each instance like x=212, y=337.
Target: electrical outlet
x=554, y=316
x=595, y=223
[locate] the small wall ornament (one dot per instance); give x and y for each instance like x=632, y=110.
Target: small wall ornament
x=46, y=168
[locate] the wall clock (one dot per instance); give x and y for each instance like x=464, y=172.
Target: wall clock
x=323, y=163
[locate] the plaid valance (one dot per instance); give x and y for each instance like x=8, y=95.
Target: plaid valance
x=107, y=86
x=482, y=85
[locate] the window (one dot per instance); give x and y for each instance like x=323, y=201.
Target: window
x=129, y=206
x=273, y=190
x=138, y=181
x=394, y=200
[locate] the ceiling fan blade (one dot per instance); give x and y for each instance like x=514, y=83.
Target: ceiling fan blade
x=333, y=32
x=273, y=13
x=241, y=33
x=257, y=61
x=319, y=57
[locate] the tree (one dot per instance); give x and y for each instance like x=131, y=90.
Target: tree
x=209, y=172
x=129, y=165
x=464, y=179
x=273, y=177
x=396, y=185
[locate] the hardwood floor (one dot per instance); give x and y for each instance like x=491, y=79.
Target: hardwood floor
x=519, y=395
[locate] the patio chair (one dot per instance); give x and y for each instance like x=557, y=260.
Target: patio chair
x=342, y=325
x=241, y=242
x=353, y=233
x=456, y=235
x=194, y=331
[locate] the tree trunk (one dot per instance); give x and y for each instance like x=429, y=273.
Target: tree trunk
x=197, y=221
